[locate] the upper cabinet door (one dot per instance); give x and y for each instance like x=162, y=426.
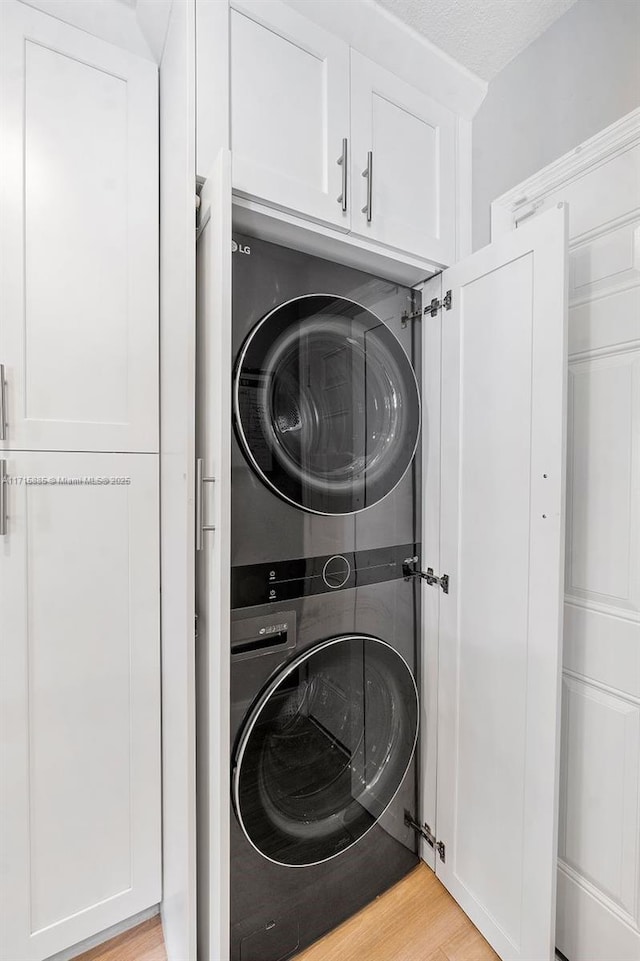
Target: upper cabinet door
x=502, y=545
x=78, y=239
x=289, y=111
x=403, y=164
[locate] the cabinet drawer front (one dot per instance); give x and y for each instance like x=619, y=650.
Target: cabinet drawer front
x=289, y=110
x=80, y=685
x=412, y=142
x=79, y=239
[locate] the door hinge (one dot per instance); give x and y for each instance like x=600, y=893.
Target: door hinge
x=410, y=569
x=431, y=308
x=408, y=316
x=426, y=834
x=423, y=830
x=416, y=311
x=435, y=305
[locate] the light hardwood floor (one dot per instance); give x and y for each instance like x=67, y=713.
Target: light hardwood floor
x=142, y=943
x=417, y=920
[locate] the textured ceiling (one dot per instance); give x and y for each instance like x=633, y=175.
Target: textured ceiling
x=483, y=35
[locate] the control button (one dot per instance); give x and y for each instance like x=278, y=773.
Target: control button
x=336, y=571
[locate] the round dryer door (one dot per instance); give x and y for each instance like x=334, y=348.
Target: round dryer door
x=327, y=407
x=325, y=749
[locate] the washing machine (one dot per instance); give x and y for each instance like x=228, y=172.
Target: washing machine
x=325, y=655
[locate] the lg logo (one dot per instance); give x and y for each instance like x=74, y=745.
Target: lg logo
x=240, y=248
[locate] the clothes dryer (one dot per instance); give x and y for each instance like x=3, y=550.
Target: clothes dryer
x=326, y=407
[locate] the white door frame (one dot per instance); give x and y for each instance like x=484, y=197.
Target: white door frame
x=213, y=565
x=177, y=480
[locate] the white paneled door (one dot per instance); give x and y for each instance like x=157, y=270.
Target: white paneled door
x=289, y=111
x=78, y=239
x=599, y=842
x=403, y=164
x=213, y=567
x=599, y=828
x=79, y=679
x=501, y=543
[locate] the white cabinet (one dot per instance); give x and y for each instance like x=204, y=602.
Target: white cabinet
x=78, y=239
x=402, y=164
x=495, y=353
x=79, y=649
x=80, y=784
x=310, y=115
x=501, y=520
x=289, y=110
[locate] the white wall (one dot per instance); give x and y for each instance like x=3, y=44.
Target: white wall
x=577, y=78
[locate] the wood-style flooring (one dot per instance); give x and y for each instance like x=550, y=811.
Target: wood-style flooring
x=417, y=920
x=142, y=943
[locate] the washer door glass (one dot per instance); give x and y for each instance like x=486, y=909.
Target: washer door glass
x=325, y=749
x=327, y=406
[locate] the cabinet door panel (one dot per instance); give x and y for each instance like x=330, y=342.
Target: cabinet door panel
x=502, y=544
x=289, y=110
x=79, y=318
x=213, y=568
x=79, y=685
x=412, y=140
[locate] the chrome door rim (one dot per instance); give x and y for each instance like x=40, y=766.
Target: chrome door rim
x=243, y=438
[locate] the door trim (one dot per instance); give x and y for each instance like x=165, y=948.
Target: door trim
x=524, y=199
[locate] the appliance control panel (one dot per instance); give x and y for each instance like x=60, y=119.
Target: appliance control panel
x=336, y=572
x=251, y=636
x=254, y=584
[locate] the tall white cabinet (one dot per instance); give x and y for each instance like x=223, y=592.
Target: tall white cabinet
x=394, y=183
x=79, y=555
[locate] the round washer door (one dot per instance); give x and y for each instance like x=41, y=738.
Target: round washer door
x=327, y=407
x=325, y=749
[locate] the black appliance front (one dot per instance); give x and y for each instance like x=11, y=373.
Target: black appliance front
x=324, y=749
x=325, y=716
x=325, y=509
x=326, y=407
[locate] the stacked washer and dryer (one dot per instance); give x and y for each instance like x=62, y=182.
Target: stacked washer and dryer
x=326, y=492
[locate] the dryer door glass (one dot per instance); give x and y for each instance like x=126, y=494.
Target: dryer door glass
x=327, y=407
x=325, y=749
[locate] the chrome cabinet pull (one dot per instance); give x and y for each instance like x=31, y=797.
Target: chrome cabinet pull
x=342, y=161
x=201, y=480
x=3, y=497
x=368, y=173
x=3, y=409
